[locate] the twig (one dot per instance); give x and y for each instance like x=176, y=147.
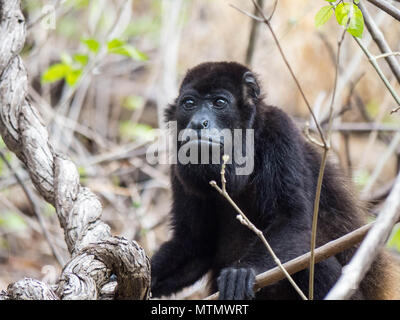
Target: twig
x=353, y=273
x=245, y=221
x=321, y=172
x=307, y=133
x=347, y=105
x=384, y=55
x=365, y=127
x=380, y=73
x=265, y=20
x=120, y=23
x=302, y=262
x=383, y=159
x=387, y=7
x=35, y=210
x=379, y=39
x=252, y=37
x=43, y=15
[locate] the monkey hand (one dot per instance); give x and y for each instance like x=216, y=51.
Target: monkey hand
x=236, y=283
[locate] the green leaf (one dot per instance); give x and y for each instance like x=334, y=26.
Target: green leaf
x=92, y=44
x=2, y=143
x=133, y=102
x=394, y=239
x=136, y=204
x=136, y=54
x=73, y=76
x=117, y=46
x=115, y=43
x=131, y=131
x=356, y=26
x=361, y=178
x=342, y=11
x=323, y=16
x=82, y=59
x=11, y=221
x=346, y=11
x=66, y=59
x=55, y=72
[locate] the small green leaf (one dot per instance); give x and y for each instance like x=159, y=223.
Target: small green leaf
x=133, y=102
x=346, y=11
x=361, y=178
x=55, y=72
x=323, y=16
x=11, y=221
x=394, y=239
x=73, y=76
x=66, y=59
x=115, y=43
x=136, y=54
x=2, y=143
x=342, y=11
x=92, y=44
x=131, y=131
x=117, y=46
x=123, y=51
x=136, y=204
x=82, y=59
x=356, y=26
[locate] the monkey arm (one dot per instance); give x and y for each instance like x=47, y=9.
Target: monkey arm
x=186, y=257
x=288, y=240
x=176, y=266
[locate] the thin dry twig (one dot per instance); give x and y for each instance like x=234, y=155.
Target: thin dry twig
x=35, y=209
x=246, y=222
x=265, y=20
x=321, y=173
x=373, y=62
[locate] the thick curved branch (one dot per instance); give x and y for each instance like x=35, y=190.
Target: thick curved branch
x=96, y=254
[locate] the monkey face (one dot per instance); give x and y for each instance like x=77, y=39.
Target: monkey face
x=215, y=108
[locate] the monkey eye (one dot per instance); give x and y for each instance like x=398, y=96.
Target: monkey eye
x=220, y=102
x=188, y=103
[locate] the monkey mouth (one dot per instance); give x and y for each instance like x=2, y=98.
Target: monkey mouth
x=204, y=141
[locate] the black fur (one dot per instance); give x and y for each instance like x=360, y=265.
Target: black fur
x=277, y=197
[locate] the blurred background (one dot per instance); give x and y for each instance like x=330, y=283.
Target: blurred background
x=101, y=73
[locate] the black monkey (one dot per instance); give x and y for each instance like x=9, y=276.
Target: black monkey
x=277, y=197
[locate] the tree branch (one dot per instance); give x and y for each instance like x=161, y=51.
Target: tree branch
x=57, y=180
x=354, y=272
x=379, y=39
x=387, y=7
x=302, y=262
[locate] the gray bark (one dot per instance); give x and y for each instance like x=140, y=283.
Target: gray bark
x=95, y=253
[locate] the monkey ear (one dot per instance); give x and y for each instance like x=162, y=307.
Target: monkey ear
x=251, y=85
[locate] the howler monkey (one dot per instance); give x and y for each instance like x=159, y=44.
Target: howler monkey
x=277, y=196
